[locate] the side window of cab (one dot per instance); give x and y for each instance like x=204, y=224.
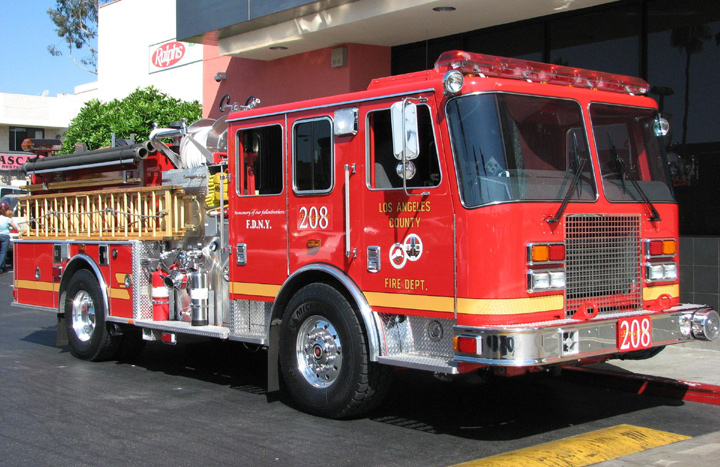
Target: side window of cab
x=312, y=160
x=259, y=161
x=384, y=169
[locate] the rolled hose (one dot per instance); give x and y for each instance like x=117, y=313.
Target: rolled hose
x=109, y=156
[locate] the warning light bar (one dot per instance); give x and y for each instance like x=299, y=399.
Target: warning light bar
x=470, y=63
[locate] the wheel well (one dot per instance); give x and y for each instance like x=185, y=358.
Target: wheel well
x=340, y=282
x=76, y=264
x=300, y=281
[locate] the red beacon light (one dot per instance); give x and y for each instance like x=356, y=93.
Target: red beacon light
x=470, y=63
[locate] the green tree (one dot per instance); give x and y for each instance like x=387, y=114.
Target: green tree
x=134, y=114
x=76, y=24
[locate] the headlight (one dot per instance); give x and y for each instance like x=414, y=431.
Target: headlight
x=661, y=272
x=540, y=280
x=453, y=82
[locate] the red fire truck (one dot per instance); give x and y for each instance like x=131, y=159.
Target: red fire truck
x=489, y=214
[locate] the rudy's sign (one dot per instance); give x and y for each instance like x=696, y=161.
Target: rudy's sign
x=173, y=54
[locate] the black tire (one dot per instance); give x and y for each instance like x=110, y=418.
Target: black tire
x=641, y=354
x=85, y=324
x=324, y=357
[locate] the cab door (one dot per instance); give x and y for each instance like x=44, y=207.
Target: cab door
x=316, y=219
x=257, y=217
x=407, y=232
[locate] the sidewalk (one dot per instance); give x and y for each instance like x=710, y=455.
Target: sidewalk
x=695, y=362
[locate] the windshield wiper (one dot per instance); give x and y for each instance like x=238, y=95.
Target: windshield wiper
x=579, y=165
x=622, y=168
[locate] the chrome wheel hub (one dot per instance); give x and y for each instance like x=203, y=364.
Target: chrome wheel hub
x=83, y=316
x=319, y=352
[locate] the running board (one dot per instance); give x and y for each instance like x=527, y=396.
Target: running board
x=183, y=327
x=416, y=362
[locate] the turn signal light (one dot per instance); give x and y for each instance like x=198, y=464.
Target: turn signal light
x=660, y=247
x=669, y=247
x=541, y=253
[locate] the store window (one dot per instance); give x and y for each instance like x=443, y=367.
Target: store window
x=19, y=134
x=684, y=69
x=605, y=40
x=684, y=59
x=525, y=41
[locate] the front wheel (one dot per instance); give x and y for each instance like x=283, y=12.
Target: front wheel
x=84, y=310
x=324, y=357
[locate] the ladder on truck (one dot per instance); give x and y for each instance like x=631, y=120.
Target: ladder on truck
x=140, y=213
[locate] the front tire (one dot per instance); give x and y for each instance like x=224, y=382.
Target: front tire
x=324, y=357
x=85, y=324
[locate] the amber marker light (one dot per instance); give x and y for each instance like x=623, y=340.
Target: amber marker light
x=669, y=247
x=540, y=253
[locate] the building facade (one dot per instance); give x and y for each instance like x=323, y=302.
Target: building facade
x=137, y=48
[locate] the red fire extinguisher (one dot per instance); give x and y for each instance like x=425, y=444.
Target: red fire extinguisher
x=160, y=297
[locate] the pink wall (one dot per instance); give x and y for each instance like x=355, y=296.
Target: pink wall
x=298, y=77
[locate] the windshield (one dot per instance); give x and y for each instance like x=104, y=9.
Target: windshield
x=514, y=147
x=628, y=149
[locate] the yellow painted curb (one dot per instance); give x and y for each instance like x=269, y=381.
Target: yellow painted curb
x=586, y=449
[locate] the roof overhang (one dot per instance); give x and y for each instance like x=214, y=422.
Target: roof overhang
x=374, y=22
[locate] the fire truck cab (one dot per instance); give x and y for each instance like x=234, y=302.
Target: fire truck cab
x=489, y=213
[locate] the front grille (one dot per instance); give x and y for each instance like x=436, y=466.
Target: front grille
x=603, y=263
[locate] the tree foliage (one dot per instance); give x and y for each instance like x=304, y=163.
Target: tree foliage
x=134, y=114
x=76, y=24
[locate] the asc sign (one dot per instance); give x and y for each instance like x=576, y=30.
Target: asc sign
x=13, y=161
x=172, y=54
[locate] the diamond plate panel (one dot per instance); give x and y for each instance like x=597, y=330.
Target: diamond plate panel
x=142, y=300
x=417, y=337
x=250, y=317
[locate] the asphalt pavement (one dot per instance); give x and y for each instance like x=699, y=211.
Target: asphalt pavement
x=427, y=428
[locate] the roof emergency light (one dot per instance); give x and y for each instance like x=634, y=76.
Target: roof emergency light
x=489, y=65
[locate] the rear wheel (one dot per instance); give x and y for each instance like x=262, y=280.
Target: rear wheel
x=324, y=358
x=84, y=310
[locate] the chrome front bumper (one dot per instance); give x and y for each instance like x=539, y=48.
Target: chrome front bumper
x=569, y=340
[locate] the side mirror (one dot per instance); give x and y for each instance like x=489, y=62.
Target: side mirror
x=403, y=116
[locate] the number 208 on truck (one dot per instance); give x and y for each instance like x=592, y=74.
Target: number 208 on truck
x=487, y=215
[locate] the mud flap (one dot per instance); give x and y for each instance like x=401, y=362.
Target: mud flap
x=62, y=337
x=273, y=370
